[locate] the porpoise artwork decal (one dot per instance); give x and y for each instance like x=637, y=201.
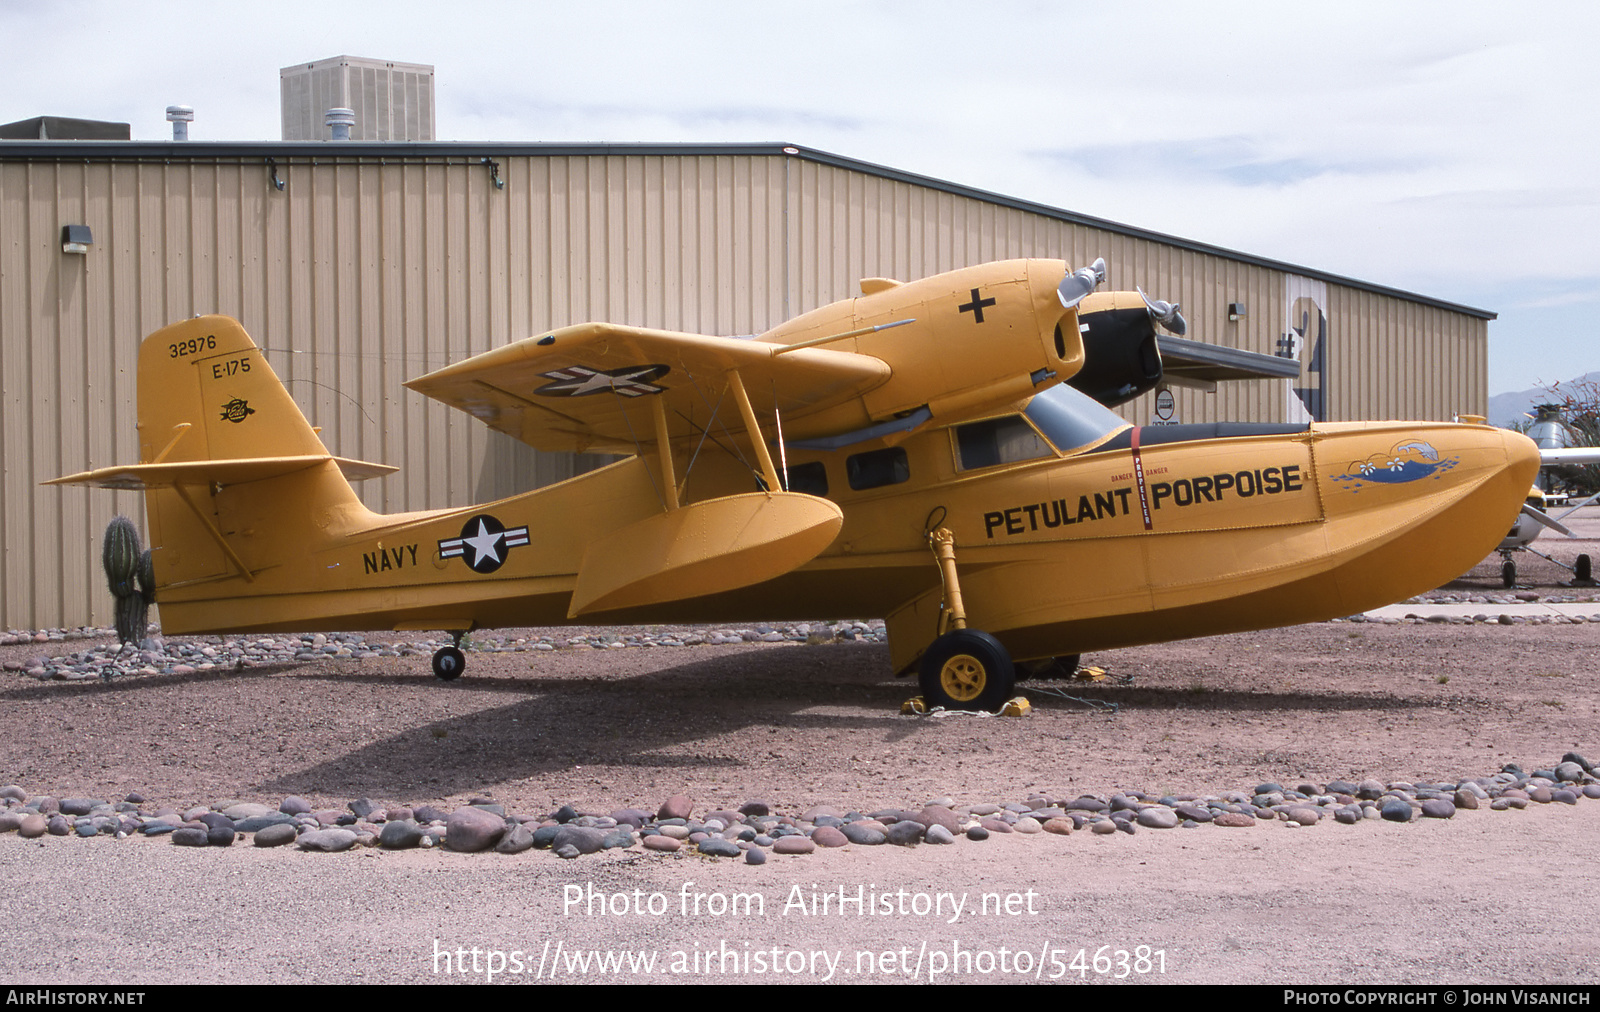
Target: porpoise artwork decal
x=1409, y=461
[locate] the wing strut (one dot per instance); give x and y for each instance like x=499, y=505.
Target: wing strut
x=669, y=480
x=768, y=471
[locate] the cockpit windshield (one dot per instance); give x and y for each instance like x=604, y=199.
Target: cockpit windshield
x=1072, y=420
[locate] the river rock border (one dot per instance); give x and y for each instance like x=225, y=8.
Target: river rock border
x=753, y=831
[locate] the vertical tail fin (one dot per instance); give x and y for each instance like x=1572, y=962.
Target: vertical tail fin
x=236, y=480
x=207, y=393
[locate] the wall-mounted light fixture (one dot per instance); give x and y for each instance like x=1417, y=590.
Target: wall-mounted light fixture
x=76, y=239
x=1235, y=311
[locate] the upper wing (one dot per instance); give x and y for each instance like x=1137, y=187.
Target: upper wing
x=587, y=387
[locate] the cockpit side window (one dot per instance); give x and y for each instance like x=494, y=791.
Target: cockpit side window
x=877, y=468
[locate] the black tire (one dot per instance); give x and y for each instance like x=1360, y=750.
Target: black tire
x=448, y=663
x=966, y=670
x=1508, y=574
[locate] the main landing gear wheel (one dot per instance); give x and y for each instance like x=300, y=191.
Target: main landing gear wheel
x=1582, y=569
x=1508, y=574
x=448, y=663
x=966, y=670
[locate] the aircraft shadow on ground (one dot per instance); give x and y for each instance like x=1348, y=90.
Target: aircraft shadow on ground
x=670, y=719
x=653, y=719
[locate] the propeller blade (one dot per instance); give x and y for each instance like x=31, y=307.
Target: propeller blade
x=1165, y=313
x=1540, y=516
x=1080, y=283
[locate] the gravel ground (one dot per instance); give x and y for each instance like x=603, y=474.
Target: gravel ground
x=1484, y=897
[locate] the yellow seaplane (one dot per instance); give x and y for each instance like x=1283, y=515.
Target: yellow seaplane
x=918, y=453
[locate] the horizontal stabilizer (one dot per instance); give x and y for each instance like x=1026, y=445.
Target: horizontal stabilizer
x=137, y=477
x=705, y=548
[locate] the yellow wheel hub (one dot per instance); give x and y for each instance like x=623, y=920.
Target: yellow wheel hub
x=963, y=678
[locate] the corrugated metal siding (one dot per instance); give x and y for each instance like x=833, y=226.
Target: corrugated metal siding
x=365, y=271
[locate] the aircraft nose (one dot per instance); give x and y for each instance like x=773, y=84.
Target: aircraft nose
x=1522, y=455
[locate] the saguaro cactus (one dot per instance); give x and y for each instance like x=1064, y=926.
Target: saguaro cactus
x=131, y=578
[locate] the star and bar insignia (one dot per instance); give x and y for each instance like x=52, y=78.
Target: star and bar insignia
x=581, y=381
x=484, y=543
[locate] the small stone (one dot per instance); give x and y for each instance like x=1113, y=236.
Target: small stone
x=1102, y=827
x=1157, y=818
x=855, y=832
x=828, y=836
x=1466, y=799
x=1233, y=820
x=665, y=844
x=906, y=834
x=977, y=833
x=405, y=835
x=188, y=837
x=14, y=791
x=32, y=825
x=755, y=855
x=1305, y=815
x=679, y=806
x=938, y=835
x=470, y=830
x=1060, y=827
x=617, y=839
x=719, y=848
x=275, y=835
x=582, y=838
x=330, y=841
x=517, y=840
x=1395, y=810
x=1438, y=808
x=567, y=851
x=220, y=836
x=293, y=805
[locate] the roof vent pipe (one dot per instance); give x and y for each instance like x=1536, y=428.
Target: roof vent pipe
x=180, y=116
x=340, y=121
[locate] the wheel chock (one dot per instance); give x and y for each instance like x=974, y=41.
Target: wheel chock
x=915, y=706
x=1090, y=674
x=1017, y=706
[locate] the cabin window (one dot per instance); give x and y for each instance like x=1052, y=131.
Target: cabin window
x=877, y=468
x=810, y=478
x=999, y=441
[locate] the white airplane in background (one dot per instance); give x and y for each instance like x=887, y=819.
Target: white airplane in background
x=1550, y=434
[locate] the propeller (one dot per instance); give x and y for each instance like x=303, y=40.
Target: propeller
x=1165, y=313
x=1081, y=282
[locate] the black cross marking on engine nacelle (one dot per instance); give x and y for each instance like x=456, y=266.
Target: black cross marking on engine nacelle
x=976, y=306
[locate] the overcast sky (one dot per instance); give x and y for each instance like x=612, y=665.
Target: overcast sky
x=1448, y=149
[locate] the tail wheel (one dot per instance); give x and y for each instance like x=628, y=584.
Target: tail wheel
x=448, y=663
x=1508, y=574
x=966, y=670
